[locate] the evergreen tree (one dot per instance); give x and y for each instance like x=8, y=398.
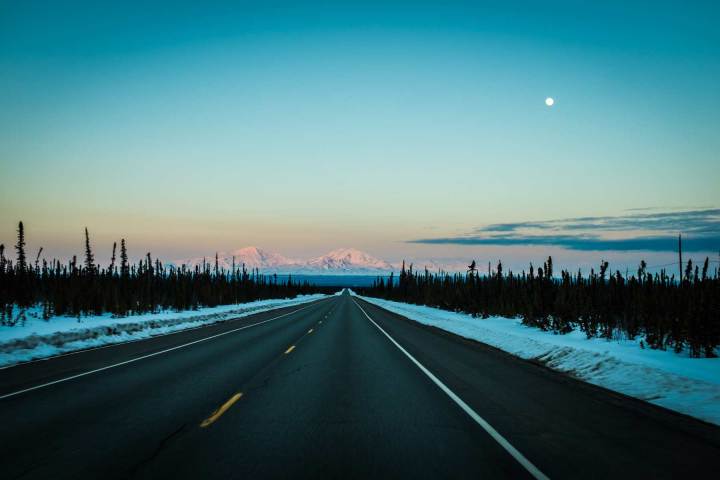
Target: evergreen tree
x=124, y=267
x=20, y=248
x=111, y=268
x=37, y=259
x=89, y=257
x=549, y=267
x=603, y=269
x=641, y=269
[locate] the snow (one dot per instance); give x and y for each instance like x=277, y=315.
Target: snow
x=38, y=338
x=675, y=381
x=349, y=259
x=339, y=261
x=252, y=257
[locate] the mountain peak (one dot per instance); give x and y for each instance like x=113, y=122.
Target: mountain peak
x=340, y=260
x=252, y=257
x=348, y=259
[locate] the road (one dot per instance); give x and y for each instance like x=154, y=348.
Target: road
x=334, y=388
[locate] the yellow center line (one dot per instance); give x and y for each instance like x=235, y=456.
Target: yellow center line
x=223, y=408
x=290, y=349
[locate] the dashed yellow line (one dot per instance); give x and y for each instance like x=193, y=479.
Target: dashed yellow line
x=223, y=408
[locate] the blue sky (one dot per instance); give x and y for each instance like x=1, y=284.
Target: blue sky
x=303, y=126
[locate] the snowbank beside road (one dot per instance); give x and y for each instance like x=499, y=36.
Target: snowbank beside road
x=38, y=338
x=678, y=382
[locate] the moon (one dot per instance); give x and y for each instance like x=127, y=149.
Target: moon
x=549, y=101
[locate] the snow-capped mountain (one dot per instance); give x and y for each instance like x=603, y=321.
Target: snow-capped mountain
x=348, y=260
x=252, y=257
x=340, y=261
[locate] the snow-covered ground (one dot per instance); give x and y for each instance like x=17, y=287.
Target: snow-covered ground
x=38, y=338
x=674, y=381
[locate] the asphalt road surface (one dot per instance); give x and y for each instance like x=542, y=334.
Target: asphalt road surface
x=336, y=388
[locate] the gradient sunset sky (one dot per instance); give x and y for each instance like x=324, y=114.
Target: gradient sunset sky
x=406, y=129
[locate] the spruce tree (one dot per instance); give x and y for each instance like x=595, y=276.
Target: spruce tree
x=549, y=268
x=124, y=267
x=89, y=257
x=20, y=248
x=37, y=259
x=603, y=269
x=111, y=269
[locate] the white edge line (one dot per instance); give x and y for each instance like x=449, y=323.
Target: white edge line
x=514, y=452
x=154, y=354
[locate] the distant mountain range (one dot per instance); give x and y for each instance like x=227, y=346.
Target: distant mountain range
x=340, y=261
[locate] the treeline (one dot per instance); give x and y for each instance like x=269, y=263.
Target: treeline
x=84, y=288
x=665, y=311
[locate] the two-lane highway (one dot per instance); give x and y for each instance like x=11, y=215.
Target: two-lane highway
x=336, y=388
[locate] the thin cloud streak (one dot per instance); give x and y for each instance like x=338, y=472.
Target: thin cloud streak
x=653, y=244
x=707, y=220
x=659, y=232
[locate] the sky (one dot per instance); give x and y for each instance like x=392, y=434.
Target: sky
x=406, y=129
